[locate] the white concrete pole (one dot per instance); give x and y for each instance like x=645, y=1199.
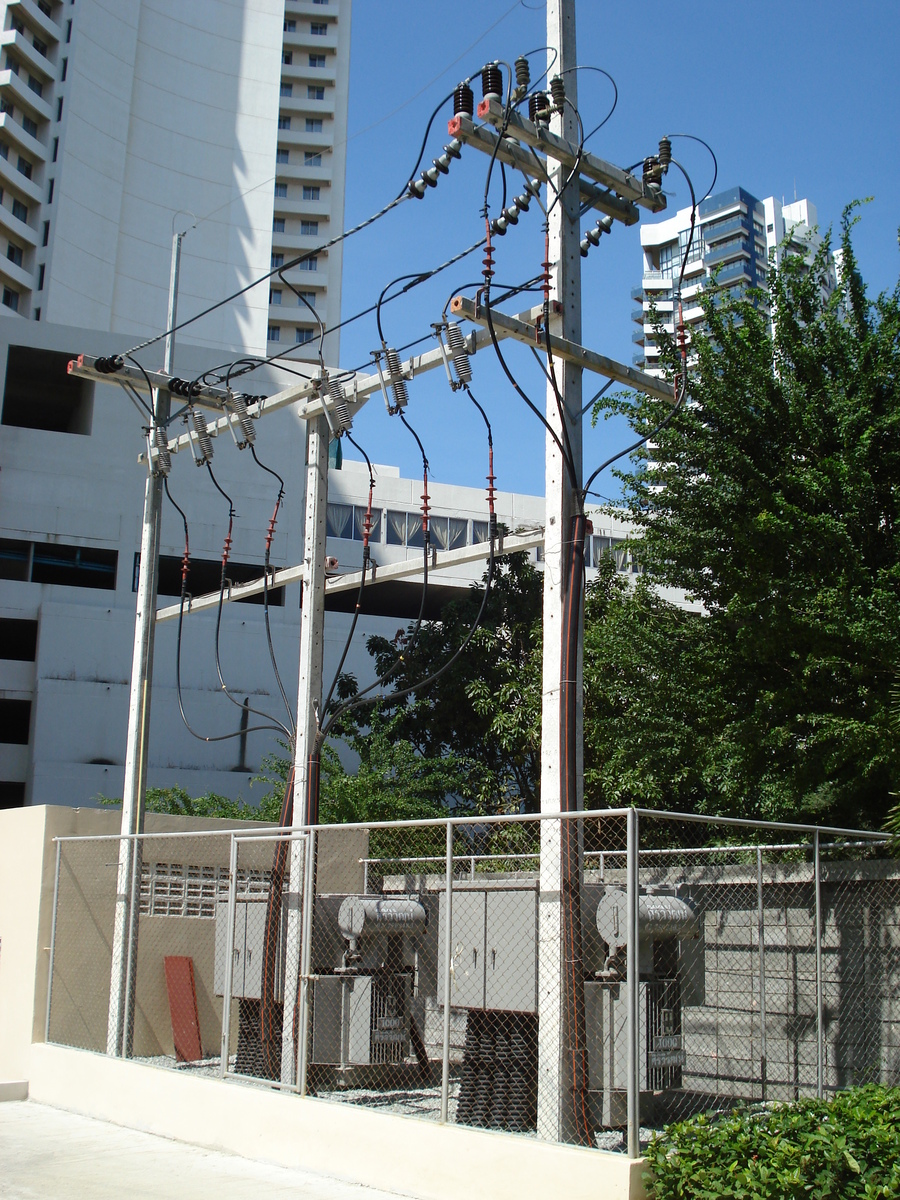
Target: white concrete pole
x=555, y=1110
x=309, y=696
x=121, y=1003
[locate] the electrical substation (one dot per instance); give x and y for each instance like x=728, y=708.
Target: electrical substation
x=572, y=976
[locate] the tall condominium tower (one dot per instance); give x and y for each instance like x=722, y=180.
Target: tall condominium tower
x=734, y=236
x=120, y=123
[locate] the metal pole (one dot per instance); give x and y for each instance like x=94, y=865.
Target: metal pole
x=761, y=942
x=134, y=903
x=448, y=971
x=309, y=898
x=138, y=735
x=229, y=957
x=633, y=988
x=820, y=1002
x=52, y=942
x=556, y=1082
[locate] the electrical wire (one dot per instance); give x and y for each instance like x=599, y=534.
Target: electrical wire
x=600, y=71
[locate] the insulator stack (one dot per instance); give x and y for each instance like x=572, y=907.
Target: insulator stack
x=488, y=260
x=459, y=353
x=341, y=410
x=463, y=101
x=161, y=459
x=185, y=565
x=665, y=154
x=492, y=82
x=201, y=443
x=185, y=387
x=558, y=92
x=270, y=533
x=417, y=188
x=491, y=480
x=425, y=507
x=523, y=76
x=396, y=380
x=237, y=408
x=539, y=108
x=109, y=366
x=592, y=237
x=652, y=171
x=510, y=214
x=226, y=548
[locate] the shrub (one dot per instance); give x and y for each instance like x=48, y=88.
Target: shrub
x=844, y=1148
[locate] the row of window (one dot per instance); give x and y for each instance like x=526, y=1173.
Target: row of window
x=307, y=228
x=187, y=890
x=311, y=158
x=313, y=92
x=53, y=562
x=276, y=296
x=302, y=333
x=313, y=124
x=401, y=528
x=317, y=28
x=307, y=264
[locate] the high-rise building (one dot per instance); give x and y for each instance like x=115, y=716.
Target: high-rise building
x=735, y=239
x=121, y=124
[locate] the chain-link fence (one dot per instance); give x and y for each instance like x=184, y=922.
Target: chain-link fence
x=582, y=979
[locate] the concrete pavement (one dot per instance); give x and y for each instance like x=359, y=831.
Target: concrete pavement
x=48, y=1154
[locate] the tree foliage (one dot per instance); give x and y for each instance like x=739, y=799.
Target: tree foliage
x=773, y=499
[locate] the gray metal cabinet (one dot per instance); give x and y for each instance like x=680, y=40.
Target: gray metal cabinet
x=494, y=949
x=249, y=940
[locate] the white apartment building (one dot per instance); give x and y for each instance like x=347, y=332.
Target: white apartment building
x=735, y=238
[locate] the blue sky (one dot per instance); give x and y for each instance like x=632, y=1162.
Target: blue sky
x=792, y=96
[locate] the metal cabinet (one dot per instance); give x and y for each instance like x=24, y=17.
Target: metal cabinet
x=249, y=941
x=494, y=949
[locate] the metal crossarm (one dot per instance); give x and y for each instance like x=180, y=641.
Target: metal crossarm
x=523, y=328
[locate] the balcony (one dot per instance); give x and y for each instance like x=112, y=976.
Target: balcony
x=637, y=293
x=299, y=102
x=716, y=234
x=656, y=279
x=20, y=277
x=33, y=16
x=12, y=177
x=637, y=314
x=638, y=361
x=27, y=52
x=17, y=228
x=24, y=97
x=17, y=134
x=726, y=254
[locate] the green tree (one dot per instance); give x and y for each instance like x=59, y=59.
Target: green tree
x=772, y=498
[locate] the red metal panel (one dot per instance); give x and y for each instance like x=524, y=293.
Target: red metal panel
x=183, y=1007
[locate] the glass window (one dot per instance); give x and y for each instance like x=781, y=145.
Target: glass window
x=339, y=521
x=30, y=126
x=318, y=29
x=11, y=299
x=290, y=26
x=282, y=155
x=274, y=295
x=313, y=124
x=311, y=193
x=281, y=190
x=287, y=57
x=278, y=224
x=284, y=122
x=317, y=60
x=24, y=166
x=274, y=333
x=20, y=210
x=287, y=89
x=14, y=253
x=448, y=533
x=315, y=93
x=36, y=86
x=309, y=297
x=311, y=228
x=396, y=528
x=312, y=159
x=414, y=534
x=302, y=335
x=309, y=264
x=480, y=532
x=277, y=261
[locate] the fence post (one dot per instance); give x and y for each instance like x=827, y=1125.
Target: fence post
x=632, y=988
x=820, y=1003
x=52, y=941
x=228, y=983
x=761, y=942
x=309, y=900
x=448, y=966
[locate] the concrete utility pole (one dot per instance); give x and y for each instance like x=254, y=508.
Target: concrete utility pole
x=555, y=1066
x=120, y=1027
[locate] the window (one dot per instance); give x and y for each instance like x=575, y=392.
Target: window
x=17, y=25
x=309, y=297
x=64, y=70
x=37, y=314
x=278, y=225
x=41, y=269
x=287, y=89
x=15, y=718
x=44, y=7
x=274, y=333
x=404, y=529
x=18, y=639
x=320, y=1
x=281, y=191
x=12, y=65
x=20, y=210
x=287, y=57
x=317, y=60
x=14, y=254
x=41, y=47
x=315, y=93
x=12, y=794
x=68, y=32
x=284, y=122
x=40, y=394
x=59, y=108
x=318, y=29
x=53, y=562
x=312, y=158
x=347, y=521
x=309, y=264
x=290, y=26
x=11, y=299
x=448, y=533
x=480, y=532
x=36, y=86
x=313, y=124
x=7, y=107
x=282, y=155
x=274, y=295
x=277, y=261
x=310, y=228
x=29, y=126
x=24, y=166
x=205, y=576
x=55, y=148
x=311, y=193
x=46, y=238
x=50, y=192
x=302, y=335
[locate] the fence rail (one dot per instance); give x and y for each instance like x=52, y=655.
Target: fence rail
x=584, y=978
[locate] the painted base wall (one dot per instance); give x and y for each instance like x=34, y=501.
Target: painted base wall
x=403, y=1154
